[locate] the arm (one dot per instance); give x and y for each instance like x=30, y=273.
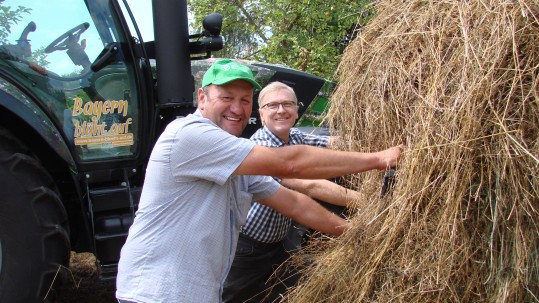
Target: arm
x=324, y=190
x=306, y=211
x=307, y=162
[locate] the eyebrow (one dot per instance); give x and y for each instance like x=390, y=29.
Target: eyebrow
x=292, y=101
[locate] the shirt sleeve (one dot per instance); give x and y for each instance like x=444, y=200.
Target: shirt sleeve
x=204, y=151
x=262, y=187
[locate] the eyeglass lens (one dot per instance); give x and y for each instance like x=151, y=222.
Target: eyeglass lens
x=275, y=105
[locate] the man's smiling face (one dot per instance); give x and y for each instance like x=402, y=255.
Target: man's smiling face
x=229, y=106
x=281, y=119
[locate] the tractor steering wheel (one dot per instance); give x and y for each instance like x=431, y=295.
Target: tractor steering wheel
x=66, y=40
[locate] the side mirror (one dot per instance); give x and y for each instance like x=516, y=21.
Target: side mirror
x=212, y=24
x=211, y=38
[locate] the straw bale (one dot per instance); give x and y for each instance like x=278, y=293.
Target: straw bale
x=457, y=82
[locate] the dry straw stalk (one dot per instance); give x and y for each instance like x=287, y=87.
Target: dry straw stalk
x=457, y=82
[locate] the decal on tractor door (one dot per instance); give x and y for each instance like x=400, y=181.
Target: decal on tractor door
x=102, y=123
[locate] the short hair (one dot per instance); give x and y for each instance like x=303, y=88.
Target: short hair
x=273, y=87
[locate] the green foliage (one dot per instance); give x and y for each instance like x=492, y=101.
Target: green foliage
x=309, y=35
x=40, y=57
x=9, y=17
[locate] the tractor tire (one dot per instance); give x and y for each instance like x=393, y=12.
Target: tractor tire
x=34, y=231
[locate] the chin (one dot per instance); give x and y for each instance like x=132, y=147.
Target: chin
x=235, y=132
x=283, y=128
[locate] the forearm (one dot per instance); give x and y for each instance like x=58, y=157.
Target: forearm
x=315, y=216
x=307, y=162
x=306, y=211
x=323, y=190
x=316, y=163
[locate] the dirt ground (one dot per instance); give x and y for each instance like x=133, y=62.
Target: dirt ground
x=83, y=285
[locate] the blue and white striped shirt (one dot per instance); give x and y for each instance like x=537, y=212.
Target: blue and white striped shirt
x=263, y=223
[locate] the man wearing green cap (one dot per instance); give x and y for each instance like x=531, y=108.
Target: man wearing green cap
x=200, y=181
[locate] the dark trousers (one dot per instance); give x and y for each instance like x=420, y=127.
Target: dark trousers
x=259, y=273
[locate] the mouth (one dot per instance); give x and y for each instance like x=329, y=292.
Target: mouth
x=232, y=119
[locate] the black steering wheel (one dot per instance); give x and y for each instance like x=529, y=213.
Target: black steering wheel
x=68, y=39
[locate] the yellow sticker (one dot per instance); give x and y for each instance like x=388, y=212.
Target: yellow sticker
x=97, y=122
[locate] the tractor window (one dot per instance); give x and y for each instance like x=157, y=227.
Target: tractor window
x=71, y=56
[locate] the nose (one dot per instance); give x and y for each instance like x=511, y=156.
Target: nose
x=236, y=107
x=280, y=108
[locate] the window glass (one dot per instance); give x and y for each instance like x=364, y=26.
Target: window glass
x=71, y=57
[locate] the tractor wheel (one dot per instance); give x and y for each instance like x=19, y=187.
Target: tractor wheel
x=34, y=235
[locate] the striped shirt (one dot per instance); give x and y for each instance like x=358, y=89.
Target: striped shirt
x=263, y=223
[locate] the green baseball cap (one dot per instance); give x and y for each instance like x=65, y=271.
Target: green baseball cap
x=227, y=70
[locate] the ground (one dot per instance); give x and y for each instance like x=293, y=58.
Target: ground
x=83, y=284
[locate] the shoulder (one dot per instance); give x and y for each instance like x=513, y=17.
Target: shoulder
x=265, y=138
x=195, y=132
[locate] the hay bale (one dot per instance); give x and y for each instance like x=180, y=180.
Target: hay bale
x=457, y=82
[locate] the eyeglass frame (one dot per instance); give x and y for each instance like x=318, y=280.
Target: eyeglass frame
x=277, y=105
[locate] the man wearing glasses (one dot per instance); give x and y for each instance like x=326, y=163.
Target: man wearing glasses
x=260, y=253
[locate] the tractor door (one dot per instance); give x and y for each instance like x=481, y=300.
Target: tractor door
x=74, y=59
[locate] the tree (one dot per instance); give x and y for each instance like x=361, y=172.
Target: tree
x=40, y=57
x=309, y=35
x=8, y=17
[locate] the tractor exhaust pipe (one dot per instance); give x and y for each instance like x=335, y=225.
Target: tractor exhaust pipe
x=175, y=84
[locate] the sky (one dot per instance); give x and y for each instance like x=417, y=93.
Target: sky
x=142, y=10
x=66, y=15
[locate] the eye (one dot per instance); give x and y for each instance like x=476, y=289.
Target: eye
x=272, y=106
x=289, y=104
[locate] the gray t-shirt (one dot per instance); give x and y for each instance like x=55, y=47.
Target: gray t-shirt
x=182, y=241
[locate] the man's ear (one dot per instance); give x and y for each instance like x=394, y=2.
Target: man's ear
x=261, y=117
x=201, y=97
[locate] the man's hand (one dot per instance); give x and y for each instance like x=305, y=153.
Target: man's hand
x=390, y=157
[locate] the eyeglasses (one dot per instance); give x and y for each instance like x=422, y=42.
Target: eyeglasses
x=275, y=105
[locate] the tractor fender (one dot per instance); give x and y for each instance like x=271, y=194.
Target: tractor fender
x=21, y=105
